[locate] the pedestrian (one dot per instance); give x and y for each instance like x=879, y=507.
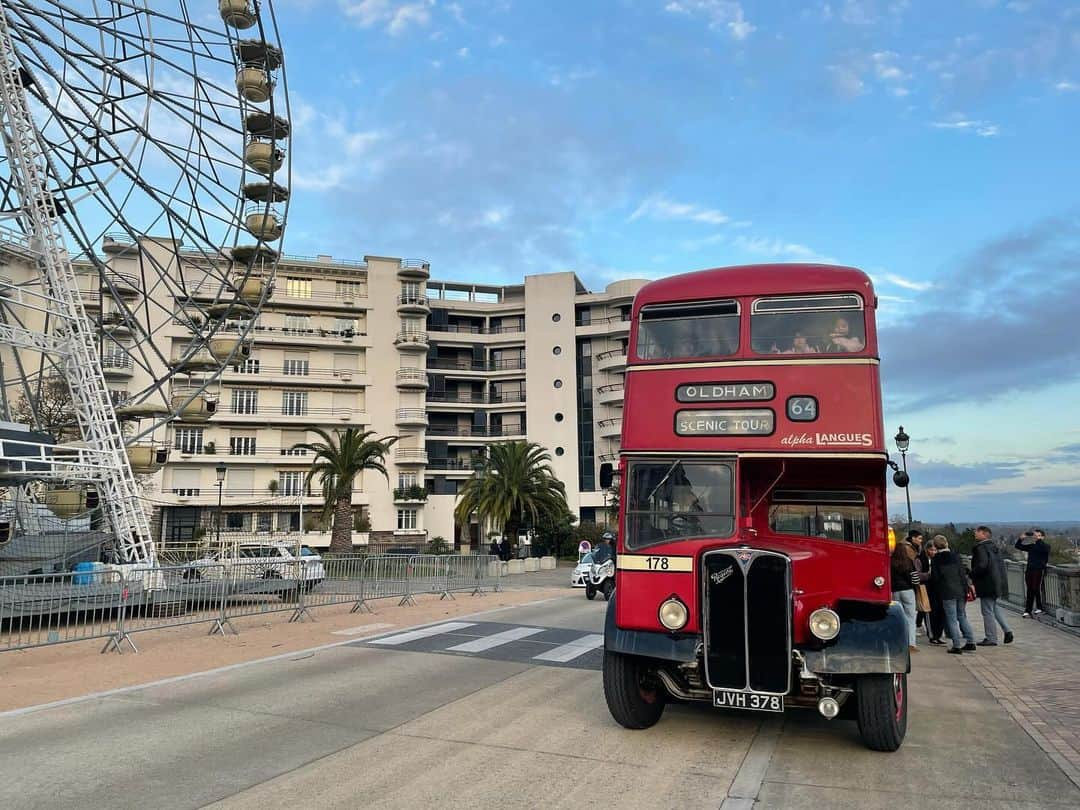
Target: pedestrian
x=936, y=616
x=922, y=597
x=1034, y=544
x=504, y=550
x=904, y=577
x=951, y=583
x=991, y=584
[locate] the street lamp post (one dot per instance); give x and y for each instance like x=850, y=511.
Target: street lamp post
x=220, y=469
x=902, y=443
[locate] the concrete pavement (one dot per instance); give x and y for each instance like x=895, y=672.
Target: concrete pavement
x=365, y=725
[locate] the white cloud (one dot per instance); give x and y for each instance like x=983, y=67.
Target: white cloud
x=984, y=129
x=1066, y=86
x=779, y=249
x=720, y=14
x=885, y=67
x=660, y=207
x=395, y=16
x=846, y=80
x=906, y=283
x=463, y=53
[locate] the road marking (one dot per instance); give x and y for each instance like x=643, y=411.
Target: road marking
x=427, y=632
x=571, y=650
x=497, y=640
x=751, y=774
x=362, y=629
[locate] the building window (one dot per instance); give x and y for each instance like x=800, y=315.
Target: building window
x=296, y=365
x=406, y=480
x=345, y=326
x=294, y=403
x=289, y=440
x=410, y=291
x=298, y=324
x=242, y=445
x=290, y=483
x=586, y=457
x=249, y=365
x=264, y=521
x=118, y=397
x=288, y=521
x=297, y=287
x=238, y=521
x=350, y=290
x=189, y=440
x=406, y=519
x=245, y=400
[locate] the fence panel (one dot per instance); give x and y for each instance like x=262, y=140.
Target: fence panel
x=256, y=587
x=342, y=581
x=427, y=574
x=42, y=609
x=174, y=596
x=385, y=576
x=474, y=573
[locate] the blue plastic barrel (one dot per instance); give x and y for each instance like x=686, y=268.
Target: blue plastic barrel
x=86, y=577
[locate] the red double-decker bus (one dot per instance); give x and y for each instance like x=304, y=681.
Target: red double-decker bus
x=753, y=550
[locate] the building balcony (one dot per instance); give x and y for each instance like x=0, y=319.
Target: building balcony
x=408, y=456
x=437, y=398
x=451, y=465
x=477, y=432
x=413, y=304
x=411, y=378
x=415, y=494
x=411, y=417
x=414, y=270
x=610, y=394
x=610, y=428
x=247, y=375
x=411, y=341
x=612, y=361
x=117, y=366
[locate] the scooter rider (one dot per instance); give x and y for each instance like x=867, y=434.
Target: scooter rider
x=606, y=550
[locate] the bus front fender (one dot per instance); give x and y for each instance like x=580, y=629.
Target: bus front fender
x=647, y=644
x=865, y=647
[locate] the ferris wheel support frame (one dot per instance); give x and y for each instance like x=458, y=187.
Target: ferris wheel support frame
x=118, y=488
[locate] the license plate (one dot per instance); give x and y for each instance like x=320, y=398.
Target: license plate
x=734, y=699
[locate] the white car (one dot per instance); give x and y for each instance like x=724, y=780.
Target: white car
x=260, y=561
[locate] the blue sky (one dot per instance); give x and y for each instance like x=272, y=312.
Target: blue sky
x=931, y=144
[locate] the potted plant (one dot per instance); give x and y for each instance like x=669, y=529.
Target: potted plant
x=210, y=448
x=273, y=486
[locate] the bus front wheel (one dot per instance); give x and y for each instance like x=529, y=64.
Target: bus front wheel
x=883, y=710
x=633, y=693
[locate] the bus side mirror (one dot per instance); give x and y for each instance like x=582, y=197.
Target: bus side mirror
x=901, y=478
x=607, y=475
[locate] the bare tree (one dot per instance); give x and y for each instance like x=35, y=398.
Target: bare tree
x=54, y=412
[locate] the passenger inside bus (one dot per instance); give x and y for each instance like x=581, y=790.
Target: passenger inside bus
x=705, y=335
x=841, y=339
x=807, y=333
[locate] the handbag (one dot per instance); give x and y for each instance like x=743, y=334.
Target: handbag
x=969, y=596
x=922, y=599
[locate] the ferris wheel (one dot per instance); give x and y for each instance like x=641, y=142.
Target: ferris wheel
x=144, y=190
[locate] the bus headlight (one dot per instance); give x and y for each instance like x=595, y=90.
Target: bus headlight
x=673, y=614
x=825, y=624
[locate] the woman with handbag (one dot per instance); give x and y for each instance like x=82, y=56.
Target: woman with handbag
x=951, y=581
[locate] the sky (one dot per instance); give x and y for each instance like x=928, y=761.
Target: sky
x=931, y=144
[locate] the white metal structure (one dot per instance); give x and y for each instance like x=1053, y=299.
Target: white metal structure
x=130, y=128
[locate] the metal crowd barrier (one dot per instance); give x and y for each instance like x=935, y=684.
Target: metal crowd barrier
x=41, y=609
x=38, y=610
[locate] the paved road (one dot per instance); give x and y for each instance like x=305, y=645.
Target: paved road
x=502, y=710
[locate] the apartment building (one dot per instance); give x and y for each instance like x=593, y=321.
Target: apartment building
x=449, y=367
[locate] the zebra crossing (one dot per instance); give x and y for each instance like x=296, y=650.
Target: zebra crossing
x=526, y=644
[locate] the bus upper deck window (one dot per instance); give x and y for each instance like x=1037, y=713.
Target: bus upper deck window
x=681, y=331
x=809, y=324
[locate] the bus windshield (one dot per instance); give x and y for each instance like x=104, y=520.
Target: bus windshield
x=679, y=331
x=812, y=324
x=675, y=500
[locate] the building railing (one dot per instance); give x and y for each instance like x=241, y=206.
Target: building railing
x=411, y=338
x=411, y=414
x=1061, y=588
x=469, y=329
x=410, y=375
x=474, y=365
x=413, y=300
x=449, y=464
x=408, y=454
x=611, y=353
x=493, y=398
x=604, y=389
x=476, y=431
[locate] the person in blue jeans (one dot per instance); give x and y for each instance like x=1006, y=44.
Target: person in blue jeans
x=991, y=583
x=904, y=576
x=951, y=583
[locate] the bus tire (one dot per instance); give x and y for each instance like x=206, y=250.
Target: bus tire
x=590, y=592
x=634, y=695
x=883, y=710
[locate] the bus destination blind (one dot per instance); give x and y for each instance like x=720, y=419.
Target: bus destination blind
x=732, y=422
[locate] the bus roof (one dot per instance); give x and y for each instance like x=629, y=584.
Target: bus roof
x=757, y=279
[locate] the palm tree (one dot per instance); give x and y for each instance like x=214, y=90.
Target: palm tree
x=338, y=460
x=514, y=482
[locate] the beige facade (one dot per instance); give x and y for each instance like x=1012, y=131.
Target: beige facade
x=448, y=367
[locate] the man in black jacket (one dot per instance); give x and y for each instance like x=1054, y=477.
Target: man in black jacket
x=991, y=584
x=950, y=581
x=1034, y=544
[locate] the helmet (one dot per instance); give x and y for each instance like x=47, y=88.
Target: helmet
x=609, y=536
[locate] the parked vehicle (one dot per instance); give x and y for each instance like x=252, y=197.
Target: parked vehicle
x=580, y=575
x=259, y=561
